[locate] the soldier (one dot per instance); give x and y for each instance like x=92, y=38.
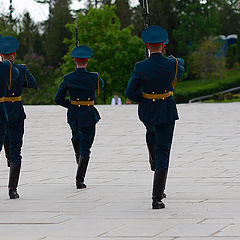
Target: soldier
x=82, y=115
x=8, y=73
x=16, y=115
x=151, y=86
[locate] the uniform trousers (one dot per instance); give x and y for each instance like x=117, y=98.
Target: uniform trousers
x=85, y=137
x=2, y=134
x=15, y=131
x=161, y=136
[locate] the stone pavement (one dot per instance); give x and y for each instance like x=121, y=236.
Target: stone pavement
x=203, y=188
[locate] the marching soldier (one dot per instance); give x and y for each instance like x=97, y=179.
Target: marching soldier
x=8, y=73
x=82, y=115
x=16, y=115
x=151, y=86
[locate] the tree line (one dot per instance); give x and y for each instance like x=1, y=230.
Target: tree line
x=113, y=29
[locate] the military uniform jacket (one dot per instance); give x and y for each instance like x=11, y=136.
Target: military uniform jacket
x=81, y=86
x=5, y=70
x=155, y=75
x=15, y=110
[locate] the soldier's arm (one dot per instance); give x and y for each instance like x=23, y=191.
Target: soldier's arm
x=29, y=79
x=60, y=97
x=180, y=70
x=101, y=83
x=133, y=91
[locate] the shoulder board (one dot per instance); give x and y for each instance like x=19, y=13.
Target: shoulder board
x=95, y=73
x=68, y=74
x=142, y=61
x=171, y=56
x=23, y=66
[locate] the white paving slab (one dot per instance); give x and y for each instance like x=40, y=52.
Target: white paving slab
x=203, y=188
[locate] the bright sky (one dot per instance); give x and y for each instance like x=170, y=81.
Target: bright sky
x=39, y=12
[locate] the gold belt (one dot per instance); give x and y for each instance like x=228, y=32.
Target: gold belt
x=85, y=103
x=154, y=96
x=13, y=99
x=1, y=99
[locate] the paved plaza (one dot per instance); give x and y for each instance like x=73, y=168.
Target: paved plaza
x=203, y=188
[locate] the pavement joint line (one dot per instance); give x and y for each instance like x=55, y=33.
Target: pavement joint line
x=220, y=230
x=203, y=183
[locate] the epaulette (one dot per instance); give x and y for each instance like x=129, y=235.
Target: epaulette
x=67, y=74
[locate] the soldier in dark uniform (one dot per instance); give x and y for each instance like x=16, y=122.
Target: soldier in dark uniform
x=8, y=73
x=16, y=115
x=82, y=115
x=151, y=86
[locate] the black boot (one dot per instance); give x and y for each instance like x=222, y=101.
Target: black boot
x=158, y=188
x=13, y=180
x=76, y=147
x=165, y=179
x=7, y=152
x=81, y=172
x=151, y=151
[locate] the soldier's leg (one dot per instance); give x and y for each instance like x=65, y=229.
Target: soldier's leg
x=76, y=141
x=150, y=140
x=164, y=135
x=2, y=134
x=15, y=135
x=87, y=135
x=7, y=149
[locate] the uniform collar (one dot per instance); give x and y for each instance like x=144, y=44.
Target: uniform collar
x=156, y=55
x=81, y=70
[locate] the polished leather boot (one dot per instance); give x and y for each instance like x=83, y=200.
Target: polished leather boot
x=151, y=151
x=13, y=179
x=7, y=152
x=165, y=179
x=76, y=147
x=81, y=172
x=158, y=189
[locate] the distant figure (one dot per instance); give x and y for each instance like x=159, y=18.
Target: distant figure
x=116, y=100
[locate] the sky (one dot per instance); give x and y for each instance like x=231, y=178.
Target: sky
x=39, y=12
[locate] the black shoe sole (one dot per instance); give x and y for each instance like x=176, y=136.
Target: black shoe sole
x=81, y=186
x=158, y=206
x=13, y=195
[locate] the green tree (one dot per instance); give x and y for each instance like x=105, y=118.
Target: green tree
x=123, y=12
x=238, y=47
x=114, y=50
x=232, y=56
x=55, y=31
x=29, y=37
x=203, y=62
x=229, y=16
x=163, y=13
x=197, y=21
x=5, y=27
x=235, y=5
x=137, y=19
